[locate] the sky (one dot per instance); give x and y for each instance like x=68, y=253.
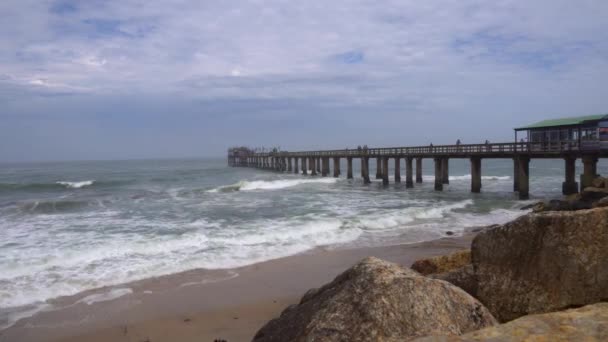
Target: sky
x=95, y=79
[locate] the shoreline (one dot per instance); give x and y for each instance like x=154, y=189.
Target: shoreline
x=207, y=304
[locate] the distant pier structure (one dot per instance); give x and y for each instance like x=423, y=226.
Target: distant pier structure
x=584, y=138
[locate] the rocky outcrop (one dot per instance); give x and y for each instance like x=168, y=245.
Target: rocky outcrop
x=600, y=182
x=589, y=323
x=463, y=277
x=442, y=263
x=592, y=194
x=378, y=301
x=601, y=203
x=542, y=262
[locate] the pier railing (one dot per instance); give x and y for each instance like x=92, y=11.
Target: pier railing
x=440, y=150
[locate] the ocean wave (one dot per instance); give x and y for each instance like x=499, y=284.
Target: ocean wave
x=76, y=185
x=105, y=296
x=398, y=218
x=52, y=206
x=270, y=185
x=58, y=185
x=468, y=177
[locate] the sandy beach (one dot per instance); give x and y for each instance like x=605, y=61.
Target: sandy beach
x=203, y=305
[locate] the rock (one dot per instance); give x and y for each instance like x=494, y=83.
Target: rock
x=463, y=277
x=559, y=205
x=542, y=262
x=378, y=301
x=594, y=194
x=574, y=197
x=442, y=263
x=588, y=323
x=530, y=206
x=539, y=207
x=601, y=203
x=599, y=182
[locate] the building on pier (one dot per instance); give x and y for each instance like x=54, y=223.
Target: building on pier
x=584, y=133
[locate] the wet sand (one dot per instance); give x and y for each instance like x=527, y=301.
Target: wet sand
x=203, y=305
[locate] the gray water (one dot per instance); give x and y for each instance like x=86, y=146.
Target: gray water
x=72, y=226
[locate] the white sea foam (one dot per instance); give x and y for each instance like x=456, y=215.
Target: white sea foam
x=271, y=185
x=105, y=296
x=8, y=318
x=76, y=185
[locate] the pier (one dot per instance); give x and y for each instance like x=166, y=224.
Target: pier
x=574, y=139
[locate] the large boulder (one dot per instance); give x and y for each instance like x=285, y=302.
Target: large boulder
x=593, y=194
x=542, y=262
x=600, y=182
x=442, y=263
x=378, y=301
x=589, y=323
x=601, y=203
x=463, y=277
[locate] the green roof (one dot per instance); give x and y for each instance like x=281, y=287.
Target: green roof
x=564, y=121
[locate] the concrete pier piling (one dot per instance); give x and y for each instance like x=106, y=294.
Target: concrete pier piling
x=475, y=175
x=336, y=167
x=313, y=169
x=418, y=170
x=385, y=171
x=570, y=186
x=349, y=168
x=409, y=182
x=365, y=170
x=397, y=170
x=378, y=168
x=445, y=171
x=589, y=171
x=524, y=177
x=515, y=174
x=295, y=165
x=318, y=163
x=289, y=169
x=438, y=174
x=304, y=166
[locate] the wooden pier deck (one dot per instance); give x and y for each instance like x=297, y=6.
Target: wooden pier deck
x=315, y=162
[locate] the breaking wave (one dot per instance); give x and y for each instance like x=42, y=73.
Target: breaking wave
x=270, y=185
x=76, y=185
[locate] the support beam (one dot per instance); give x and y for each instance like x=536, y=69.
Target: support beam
x=397, y=170
x=295, y=165
x=570, y=186
x=349, y=168
x=365, y=170
x=438, y=174
x=378, y=168
x=445, y=171
x=475, y=174
x=313, y=169
x=524, y=177
x=289, y=169
x=418, y=170
x=304, y=166
x=385, y=171
x=515, y=174
x=319, y=165
x=409, y=183
x=324, y=167
x=336, y=167
x=589, y=171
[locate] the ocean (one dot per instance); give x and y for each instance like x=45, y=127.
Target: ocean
x=67, y=227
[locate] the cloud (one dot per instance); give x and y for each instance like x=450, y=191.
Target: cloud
x=403, y=61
